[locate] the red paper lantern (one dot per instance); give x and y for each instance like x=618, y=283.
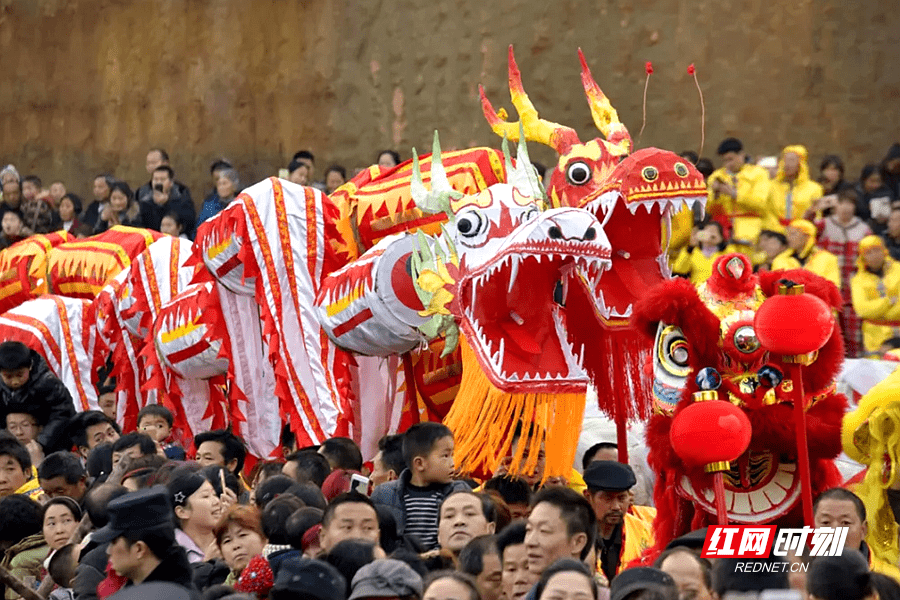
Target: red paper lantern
x=793, y=322
x=710, y=432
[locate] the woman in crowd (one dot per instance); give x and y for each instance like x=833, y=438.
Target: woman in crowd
x=874, y=204
x=566, y=578
x=450, y=585
x=239, y=537
x=69, y=210
x=122, y=209
x=388, y=159
x=60, y=520
x=171, y=225
x=228, y=186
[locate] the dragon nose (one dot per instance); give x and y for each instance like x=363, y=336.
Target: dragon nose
x=556, y=233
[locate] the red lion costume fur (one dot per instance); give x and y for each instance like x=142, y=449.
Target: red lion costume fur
x=712, y=326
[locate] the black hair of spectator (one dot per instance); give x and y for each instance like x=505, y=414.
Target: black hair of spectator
x=564, y=565
x=14, y=355
x=346, y=498
x=65, y=501
x=867, y=171
x=462, y=578
x=20, y=516
x=169, y=171
x=145, y=469
x=848, y=194
x=124, y=188
x=271, y=488
x=729, y=145
x=513, y=490
x=156, y=410
x=421, y=438
x=512, y=535
x=690, y=155
x=62, y=464
x=177, y=218
x=213, y=474
x=728, y=576
x=412, y=558
x=832, y=160
x=704, y=564
x=342, y=453
x=337, y=169
x=774, y=234
x=288, y=438
x=220, y=164
x=232, y=446
x=158, y=539
x=488, y=508
x=389, y=538
x=264, y=469
x=301, y=521
x=706, y=167
x=99, y=462
x=394, y=154
x=310, y=494
x=107, y=178
x=312, y=467
x=591, y=452
x=887, y=587
x=33, y=179
x=61, y=567
x=471, y=557
x=11, y=447
x=162, y=153
x=842, y=494
x=144, y=442
x=75, y=199
x=349, y=556
x=575, y=510
x=275, y=516
x=304, y=155
x=391, y=447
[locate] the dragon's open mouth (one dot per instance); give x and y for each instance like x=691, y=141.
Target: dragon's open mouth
x=759, y=487
x=515, y=319
x=638, y=233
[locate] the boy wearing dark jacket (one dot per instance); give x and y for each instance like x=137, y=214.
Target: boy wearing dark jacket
x=28, y=386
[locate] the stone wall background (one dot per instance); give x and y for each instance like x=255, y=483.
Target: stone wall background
x=89, y=85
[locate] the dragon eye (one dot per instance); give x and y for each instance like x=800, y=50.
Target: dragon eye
x=470, y=224
x=681, y=169
x=529, y=214
x=650, y=174
x=578, y=173
x=673, y=351
x=745, y=339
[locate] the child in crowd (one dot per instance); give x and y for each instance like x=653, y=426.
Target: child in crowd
x=156, y=421
x=69, y=209
x=707, y=244
x=841, y=234
x=171, y=225
x=415, y=498
x=17, y=474
x=13, y=229
x=770, y=244
x=28, y=386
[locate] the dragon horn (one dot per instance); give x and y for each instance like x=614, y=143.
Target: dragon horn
x=557, y=136
x=605, y=116
x=438, y=199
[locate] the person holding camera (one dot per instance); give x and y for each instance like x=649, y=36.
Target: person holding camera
x=168, y=198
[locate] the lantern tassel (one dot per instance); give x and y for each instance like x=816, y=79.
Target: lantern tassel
x=719, y=488
x=802, y=447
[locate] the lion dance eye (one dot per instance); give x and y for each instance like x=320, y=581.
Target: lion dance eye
x=650, y=174
x=745, y=340
x=673, y=352
x=578, y=173
x=681, y=169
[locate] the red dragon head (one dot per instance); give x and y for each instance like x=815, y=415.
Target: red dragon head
x=708, y=333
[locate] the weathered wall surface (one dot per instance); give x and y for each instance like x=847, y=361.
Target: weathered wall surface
x=89, y=85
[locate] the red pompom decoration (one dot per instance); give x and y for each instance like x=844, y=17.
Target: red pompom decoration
x=793, y=323
x=710, y=432
x=691, y=69
x=649, y=67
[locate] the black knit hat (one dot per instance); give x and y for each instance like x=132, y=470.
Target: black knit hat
x=730, y=145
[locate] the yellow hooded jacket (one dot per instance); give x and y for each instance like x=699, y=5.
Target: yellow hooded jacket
x=748, y=210
x=803, y=191
x=812, y=258
x=875, y=297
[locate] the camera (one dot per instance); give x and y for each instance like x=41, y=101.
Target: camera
x=158, y=187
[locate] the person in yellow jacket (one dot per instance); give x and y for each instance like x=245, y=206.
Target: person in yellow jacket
x=738, y=195
x=803, y=253
x=874, y=291
x=792, y=192
x=622, y=534
x=695, y=261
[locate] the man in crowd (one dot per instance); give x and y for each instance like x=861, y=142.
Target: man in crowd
x=599, y=451
x=91, y=428
x=157, y=157
x=307, y=466
x=621, y=537
x=349, y=516
x=133, y=445
x=802, y=253
x=738, y=195
x=874, y=290
x=388, y=463
x=141, y=536
x=166, y=197
x=463, y=517
x=101, y=189
x=562, y=524
x=62, y=474
x=342, y=453
x=223, y=448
